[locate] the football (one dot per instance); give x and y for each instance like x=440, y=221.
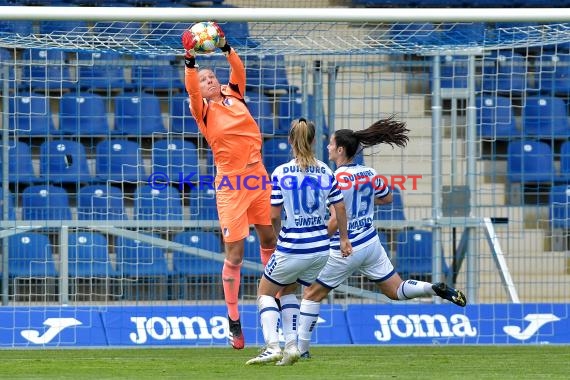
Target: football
x=206, y=35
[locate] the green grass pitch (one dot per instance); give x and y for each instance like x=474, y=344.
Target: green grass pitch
x=346, y=362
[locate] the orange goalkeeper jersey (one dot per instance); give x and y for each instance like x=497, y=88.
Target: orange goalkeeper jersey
x=227, y=125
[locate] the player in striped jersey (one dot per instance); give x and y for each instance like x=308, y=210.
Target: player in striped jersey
x=362, y=189
x=302, y=187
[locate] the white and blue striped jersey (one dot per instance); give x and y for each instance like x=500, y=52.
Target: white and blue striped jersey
x=304, y=196
x=359, y=185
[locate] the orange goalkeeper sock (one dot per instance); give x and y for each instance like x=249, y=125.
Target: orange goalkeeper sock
x=231, y=276
x=266, y=254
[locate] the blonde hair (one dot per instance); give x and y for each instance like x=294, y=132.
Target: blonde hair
x=301, y=136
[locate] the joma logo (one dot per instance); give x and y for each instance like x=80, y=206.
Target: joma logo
x=423, y=326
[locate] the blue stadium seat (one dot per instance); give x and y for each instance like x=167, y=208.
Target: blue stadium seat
x=505, y=72
x=515, y=32
x=453, y=71
x=156, y=73
x=276, y=151
x=268, y=73
x=178, y=158
x=414, y=255
x=101, y=71
x=7, y=57
x=146, y=268
x=274, y=76
x=46, y=70
x=530, y=161
x=545, y=117
x=120, y=30
x=290, y=107
x=20, y=163
x=468, y=33
x=83, y=114
x=62, y=27
x=21, y=27
x=167, y=33
x=391, y=211
x=30, y=255
x=565, y=162
x=185, y=264
x=31, y=115
x=45, y=202
x=137, y=259
x=64, y=161
x=138, y=113
x=237, y=33
x=203, y=203
x=496, y=118
x=154, y=203
x=88, y=255
x=552, y=73
x=559, y=210
x=181, y=120
x=100, y=202
x=11, y=211
x=408, y=35
x=119, y=160
x=253, y=72
x=260, y=107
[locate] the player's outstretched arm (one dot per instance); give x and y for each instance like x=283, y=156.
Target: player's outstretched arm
x=237, y=72
x=191, y=80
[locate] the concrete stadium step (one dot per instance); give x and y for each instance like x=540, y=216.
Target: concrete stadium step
x=370, y=82
x=356, y=113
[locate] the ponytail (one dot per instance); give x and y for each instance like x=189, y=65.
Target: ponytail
x=301, y=137
x=384, y=131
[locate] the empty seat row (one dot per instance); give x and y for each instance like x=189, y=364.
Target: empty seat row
x=138, y=113
x=85, y=114
x=50, y=70
x=530, y=161
x=107, y=202
x=120, y=160
x=31, y=254
x=541, y=117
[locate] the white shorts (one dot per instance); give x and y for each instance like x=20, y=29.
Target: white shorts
x=286, y=268
x=372, y=261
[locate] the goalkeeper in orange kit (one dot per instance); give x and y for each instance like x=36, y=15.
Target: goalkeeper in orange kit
x=234, y=137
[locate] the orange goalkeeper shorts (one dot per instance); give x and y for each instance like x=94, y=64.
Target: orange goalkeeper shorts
x=243, y=200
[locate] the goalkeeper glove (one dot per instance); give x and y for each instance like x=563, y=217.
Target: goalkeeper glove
x=189, y=42
x=222, y=43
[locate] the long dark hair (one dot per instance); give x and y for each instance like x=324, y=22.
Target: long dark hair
x=384, y=131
